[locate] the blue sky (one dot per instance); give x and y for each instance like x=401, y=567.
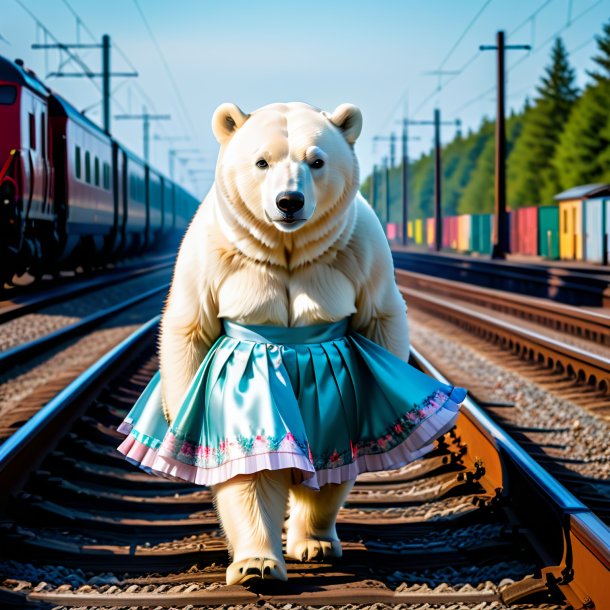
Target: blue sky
x=372, y=53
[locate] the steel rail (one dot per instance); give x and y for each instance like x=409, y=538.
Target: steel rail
x=581, y=322
x=580, y=361
x=582, y=573
x=21, y=453
x=561, y=284
x=22, y=305
x=19, y=353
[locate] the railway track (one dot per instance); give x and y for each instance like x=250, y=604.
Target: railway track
x=564, y=284
x=44, y=350
x=524, y=330
x=15, y=303
x=445, y=530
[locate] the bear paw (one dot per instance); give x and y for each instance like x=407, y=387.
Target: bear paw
x=315, y=549
x=256, y=568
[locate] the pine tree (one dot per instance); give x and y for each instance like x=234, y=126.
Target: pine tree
x=583, y=153
x=532, y=179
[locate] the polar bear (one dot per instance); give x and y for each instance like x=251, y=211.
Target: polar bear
x=283, y=238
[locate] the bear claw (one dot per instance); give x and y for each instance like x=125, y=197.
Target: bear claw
x=314, y=549
x=256, y=568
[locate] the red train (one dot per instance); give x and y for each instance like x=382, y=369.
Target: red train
x=70, y=194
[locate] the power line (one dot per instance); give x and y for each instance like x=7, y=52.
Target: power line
x=562, y=29
x=170, y=76
x=73, y=56
x=143, y=94
x=528, y=19
x=463, y=34
x=443, y=62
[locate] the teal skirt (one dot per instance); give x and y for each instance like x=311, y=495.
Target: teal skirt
x=326, y=402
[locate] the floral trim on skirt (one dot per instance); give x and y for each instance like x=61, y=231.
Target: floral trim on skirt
x=326, y=402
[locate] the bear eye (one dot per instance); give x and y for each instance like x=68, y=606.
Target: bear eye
x=262, y=164
x=317, y=164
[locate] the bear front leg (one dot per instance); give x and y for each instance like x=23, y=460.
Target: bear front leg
x=251, y=509
x=312, y=534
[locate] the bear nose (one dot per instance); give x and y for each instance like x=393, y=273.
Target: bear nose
x=290, y=202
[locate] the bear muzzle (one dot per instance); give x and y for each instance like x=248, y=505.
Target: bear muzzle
x=290, y=202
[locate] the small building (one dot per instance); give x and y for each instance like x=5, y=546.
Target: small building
x=584, y=222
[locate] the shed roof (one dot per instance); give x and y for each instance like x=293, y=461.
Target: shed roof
x=585, y=191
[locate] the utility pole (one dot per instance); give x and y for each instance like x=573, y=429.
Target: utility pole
x=500, y=226
x=386, y=171
x=374, y=188
x=105, y=74
x=146, y=118
x=405, y=179
x=172, y=157
x=438, y=176
x=106, y=82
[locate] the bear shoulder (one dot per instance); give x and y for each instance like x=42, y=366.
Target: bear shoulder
x=368, y=244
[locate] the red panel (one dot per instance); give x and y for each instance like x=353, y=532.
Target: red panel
x=446, y=236
x=528, y=231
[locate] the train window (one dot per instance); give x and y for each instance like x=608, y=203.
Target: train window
x=107, y=176
x=88, y=167
x=8, y=94
x=43, y=135
x=96, y=172
x=32, y=131
x=77, y=168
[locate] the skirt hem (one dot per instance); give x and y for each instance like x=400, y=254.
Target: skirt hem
x=415, y=446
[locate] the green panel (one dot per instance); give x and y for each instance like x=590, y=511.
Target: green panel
x=475, y=232
x=548, y=231
x=480, y=239
x=485, y=233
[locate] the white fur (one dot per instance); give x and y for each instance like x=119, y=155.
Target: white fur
x=239, y=260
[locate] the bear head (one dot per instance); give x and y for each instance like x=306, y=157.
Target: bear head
x=286, y=172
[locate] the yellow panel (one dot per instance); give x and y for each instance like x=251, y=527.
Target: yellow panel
x=463, y=237
x=419, y=231
x=430, y=231
x=410, y=229
x=570, y=230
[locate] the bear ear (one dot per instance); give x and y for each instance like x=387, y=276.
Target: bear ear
x=227, y=119
x=348, y=119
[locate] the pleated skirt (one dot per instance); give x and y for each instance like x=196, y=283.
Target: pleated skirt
x=325, y=402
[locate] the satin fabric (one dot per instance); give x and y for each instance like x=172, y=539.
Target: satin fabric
x=321, y=400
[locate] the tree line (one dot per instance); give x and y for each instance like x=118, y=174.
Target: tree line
x=560, y=139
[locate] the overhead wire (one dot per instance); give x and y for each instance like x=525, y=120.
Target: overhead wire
x=522, y=59
x=169, y=74
x=439, y=87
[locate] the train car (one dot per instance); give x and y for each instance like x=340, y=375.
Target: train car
x=131, y=192
x=69, y=192
x=185, y=205
x=548, y=231
x=154, y=203
x=169, y=211
x=27, y=215
x=83, y=193
x=524, y=231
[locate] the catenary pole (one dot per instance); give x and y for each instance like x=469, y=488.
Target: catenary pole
x=499, y=238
